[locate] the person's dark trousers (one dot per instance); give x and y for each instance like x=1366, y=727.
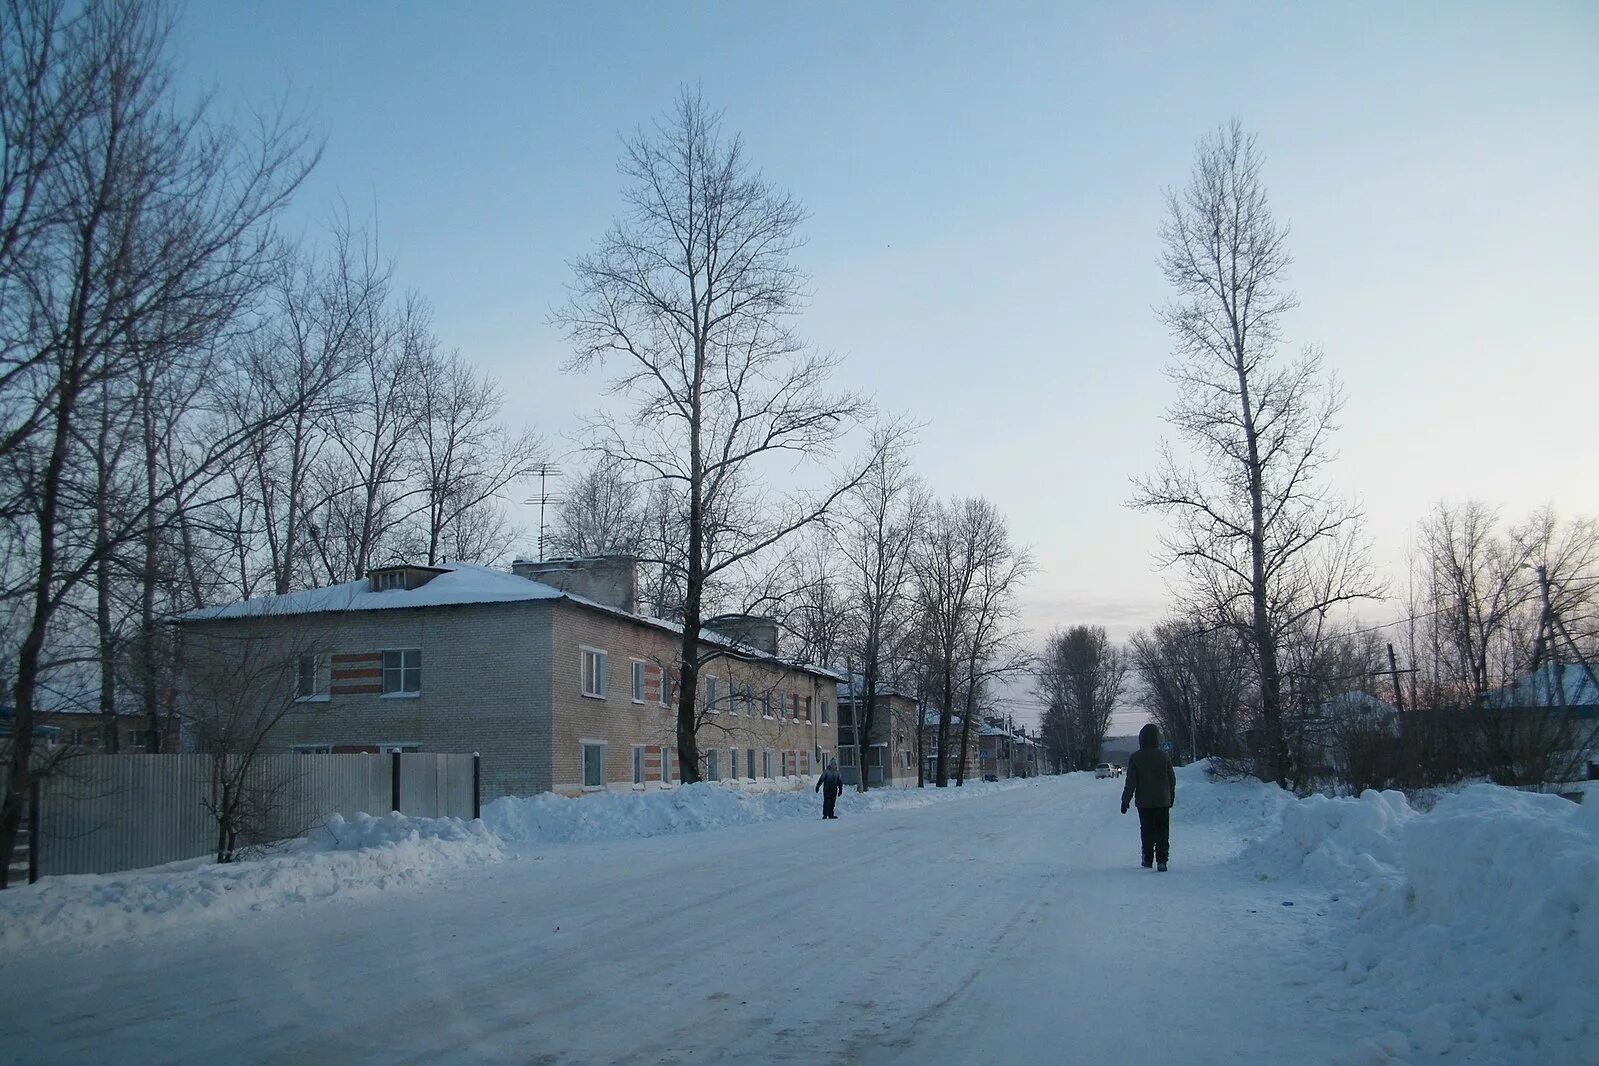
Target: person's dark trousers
x=829, y=797
x=1154, y=833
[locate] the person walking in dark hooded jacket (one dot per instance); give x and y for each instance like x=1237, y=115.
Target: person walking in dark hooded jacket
x=1153, y=783
x=830, y=784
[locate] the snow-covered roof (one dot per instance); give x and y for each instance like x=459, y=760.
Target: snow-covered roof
x=1356, y=702
x=456, y=584
x=856, y=687
x=1542, y=690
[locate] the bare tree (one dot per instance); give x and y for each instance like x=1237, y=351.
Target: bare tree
x=1195, y=681
x=468, y=459
x=875, y=531
x=692, y=292
x=1082, y=674
x=993, y=643
x=239, y=682
x=601, y=514
x=966, y=574
x=147, y=230
x=1474, y=603
x=1265, y=544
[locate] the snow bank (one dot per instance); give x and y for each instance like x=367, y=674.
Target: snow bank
x=357, y=857
x=548, y=818
x=1475, y=924
x=1248, y=807
x=343, y=859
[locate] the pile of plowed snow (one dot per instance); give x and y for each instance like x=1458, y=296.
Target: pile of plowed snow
x=345, y=858
x=358, y=856
x=552, y=819
x=1474, y=926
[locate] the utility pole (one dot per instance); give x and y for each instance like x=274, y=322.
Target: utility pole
x=1393, y=671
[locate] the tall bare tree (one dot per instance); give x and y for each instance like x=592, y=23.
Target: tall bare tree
x=1082, y=674
x=692, y=293
x=994, y=649
x=1264, y=542
x=146, y=230
x=875, y=531
x=468, y=458
x=602, y=513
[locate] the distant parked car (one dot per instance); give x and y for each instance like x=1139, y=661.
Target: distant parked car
x=990, y=777
x=1107, y=769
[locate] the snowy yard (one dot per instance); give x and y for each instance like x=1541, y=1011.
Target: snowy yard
x=1010, y=924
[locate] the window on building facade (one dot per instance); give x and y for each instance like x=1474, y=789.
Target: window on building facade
x=402, y=672
x=713, y=767
x=713, y=691
x=732, y=764
x=768, y=763
x=824, y=712
x=666, y=766
x=593, y=672
x=593, y=764
x=638, y=764
x=749, y=763
x=807, y=708
x=638, y=680
x=766, y=705
x=311, y=678
x=313, y=749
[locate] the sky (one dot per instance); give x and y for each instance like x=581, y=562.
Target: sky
x=985, y=185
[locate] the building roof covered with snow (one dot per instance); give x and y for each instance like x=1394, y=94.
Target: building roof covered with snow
x=1552, y=685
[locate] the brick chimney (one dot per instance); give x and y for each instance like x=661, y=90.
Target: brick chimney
x=608, y=579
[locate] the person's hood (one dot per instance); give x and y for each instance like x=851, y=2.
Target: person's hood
x=1149, y=736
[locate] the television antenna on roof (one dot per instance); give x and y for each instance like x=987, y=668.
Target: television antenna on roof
x=545, y=471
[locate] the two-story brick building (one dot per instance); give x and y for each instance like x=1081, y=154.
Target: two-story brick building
x=889, y=754
x=547, y=672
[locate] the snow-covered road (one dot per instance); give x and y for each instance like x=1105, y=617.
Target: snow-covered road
x=1014, y=926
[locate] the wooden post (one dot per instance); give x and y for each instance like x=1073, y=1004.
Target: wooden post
x=33, y=830
x=394, y=780
x=477, y=786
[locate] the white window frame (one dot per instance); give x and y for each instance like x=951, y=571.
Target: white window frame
x=768, y=763
x=749, y=763
x=402, y=693
x=666, y=694
x=713, y=764
x=766, y=706
x=666, y=765
x=824, y=713
x=732, y=764
x=638, y=765
x=598, y=657
x=639, y=680
x=583, y=753
x=713, y=693
x=321, y=676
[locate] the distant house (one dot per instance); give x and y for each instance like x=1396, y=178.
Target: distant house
x=547, y=671
x=1553, y=686
x=1007, y=751
x=889, y=754
x=952, y=759
x=83, y=729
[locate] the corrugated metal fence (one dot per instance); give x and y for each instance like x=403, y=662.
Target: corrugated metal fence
x=105, y=813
